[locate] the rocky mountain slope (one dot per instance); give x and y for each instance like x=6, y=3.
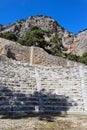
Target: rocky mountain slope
x=76, y=44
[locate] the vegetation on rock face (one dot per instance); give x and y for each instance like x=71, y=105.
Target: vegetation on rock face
x=57, y=47
x=35, y=37
x=83, y=59
x=9, y=36
x=72, y=57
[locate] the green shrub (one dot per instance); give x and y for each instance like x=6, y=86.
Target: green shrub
x=35, y=37
x=83, y=59
x=73, y=57
x=9, y=36
x=57, y=47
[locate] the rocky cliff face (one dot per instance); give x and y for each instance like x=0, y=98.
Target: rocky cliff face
x=76, y=44
x=81, y=43
x=22, y=26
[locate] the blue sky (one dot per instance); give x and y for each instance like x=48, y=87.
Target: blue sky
x=71, y=14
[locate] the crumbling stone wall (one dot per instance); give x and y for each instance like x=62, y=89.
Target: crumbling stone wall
x=40, y=57
x=33, y=55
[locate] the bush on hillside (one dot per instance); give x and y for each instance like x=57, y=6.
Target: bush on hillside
x=83, y=59
x=57, y=47
x=9, y=36
x=35, y=38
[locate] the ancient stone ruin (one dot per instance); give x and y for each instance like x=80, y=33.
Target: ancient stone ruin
x=31, y=80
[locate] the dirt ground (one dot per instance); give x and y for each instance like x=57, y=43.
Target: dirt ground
x=43, y=122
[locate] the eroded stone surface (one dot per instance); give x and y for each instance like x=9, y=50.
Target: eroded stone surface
x=14, y=50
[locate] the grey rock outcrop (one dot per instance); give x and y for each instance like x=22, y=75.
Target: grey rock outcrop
x=22, y=26
x=81, y=43
x=14, y=50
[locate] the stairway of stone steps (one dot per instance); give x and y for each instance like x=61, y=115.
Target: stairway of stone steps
x=17, y=88
x=26, y=88
x=64, y=82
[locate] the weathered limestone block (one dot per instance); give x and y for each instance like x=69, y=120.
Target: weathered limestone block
x=14, y=50
x=40, y=57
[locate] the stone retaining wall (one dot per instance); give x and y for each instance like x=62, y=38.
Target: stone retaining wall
x=33, y=55
x=40, y=57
